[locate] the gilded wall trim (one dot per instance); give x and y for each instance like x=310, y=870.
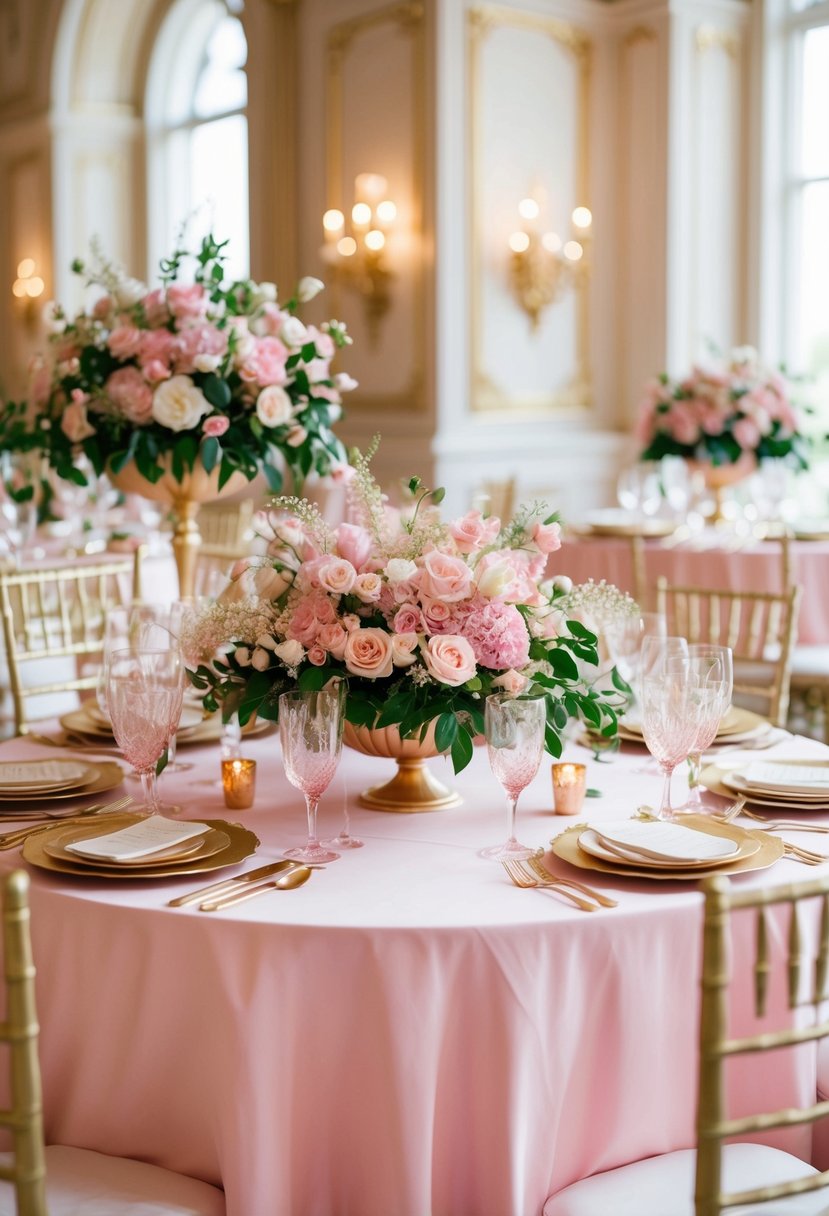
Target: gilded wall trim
x=485, y=395
x=709, y=38
x=408, y=17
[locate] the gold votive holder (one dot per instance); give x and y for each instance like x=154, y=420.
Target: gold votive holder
x=569, y=783
x=239, y=783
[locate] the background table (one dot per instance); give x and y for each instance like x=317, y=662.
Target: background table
x=708, y=563
x=405, y=1035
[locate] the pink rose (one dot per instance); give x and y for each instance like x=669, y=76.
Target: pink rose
x=404, y=649
x=445, y=577
x=155, y=371
x=473, y=532
x=409, y=619
x=333, y=638
x=323, y=342
x=198, y=340
x=124, y=341
x=74, y=423
x=129, y=392
x=354, y=543
x=186, y=300
x=155, y=308
x=368, y=652
x=437, y=616
x=350, y=622
x=368, y=587
x=450, y=659
x=156, y=346
x=547, y=537
x=747, y=434
x=265, y=363
x=296, y=436
x=336, y=575
x=512, y=682
x=316, y=655
x=215, y=425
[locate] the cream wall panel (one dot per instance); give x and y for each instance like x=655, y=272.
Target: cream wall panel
x=529, y=82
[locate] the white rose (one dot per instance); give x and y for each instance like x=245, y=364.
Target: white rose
x=495, y=580
x=178, y=404
x=344, y=382
x=400, y=570
x=307, y=288
x=260, y=659
x=562, y=583
x=264, y=293
x=206, y=363
x=129, y=292
x=293, y=332
x=290, y=652
x=273, y=406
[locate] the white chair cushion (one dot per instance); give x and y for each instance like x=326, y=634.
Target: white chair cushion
x=83, y=1183
x=811, y=661
x=664, y=1186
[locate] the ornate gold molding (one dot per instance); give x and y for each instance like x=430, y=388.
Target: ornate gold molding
x=710, y=38
x=639, y=33
x=485, y=395
x=408, y=16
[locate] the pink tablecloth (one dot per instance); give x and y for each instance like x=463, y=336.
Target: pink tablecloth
x=757, y=567
x=406, y=1035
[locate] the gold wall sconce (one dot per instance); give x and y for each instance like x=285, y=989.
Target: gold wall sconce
x=543, y=266
x=357, y=248
x=27, y=288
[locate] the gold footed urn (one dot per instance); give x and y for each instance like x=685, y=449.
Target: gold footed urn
x=185, y=497
x=719, y=477
x=413, y=788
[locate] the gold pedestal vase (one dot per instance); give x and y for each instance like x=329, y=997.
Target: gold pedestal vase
x=413, y=788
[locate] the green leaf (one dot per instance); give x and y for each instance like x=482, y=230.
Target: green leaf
x=216, y=390
x=312, y=679
x=578, y=630
x=563, y=664
x=446, y=730
x=591, y=712
x=210, y=453
x=552, y=742
x=462, y=750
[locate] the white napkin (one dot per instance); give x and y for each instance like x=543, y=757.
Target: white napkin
x=151, y=835
x=810, y=777
x=664, y=841
x=41, y=772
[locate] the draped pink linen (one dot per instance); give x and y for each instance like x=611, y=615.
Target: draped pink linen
x=757, y=567
x=406, y=1035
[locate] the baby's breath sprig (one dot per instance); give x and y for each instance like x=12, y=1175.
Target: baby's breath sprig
x=518, y=531
x=365, y=497
x=603, y=601
x=308, y=514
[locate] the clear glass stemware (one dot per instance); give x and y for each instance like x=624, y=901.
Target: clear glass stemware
x=145, y=690
x=311, y=733
x=671, y=714
x=515, y=742
x=715, y=671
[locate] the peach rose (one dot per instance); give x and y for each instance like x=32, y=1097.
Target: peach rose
x=511, y=681
x=450, y=659
x=316, y=655
x=333, y=638
x=445, y=577
x=404, y=649
x=367, y=587
x=273, y=406
x=337, y=576
x=368, y=652
x=472, y=532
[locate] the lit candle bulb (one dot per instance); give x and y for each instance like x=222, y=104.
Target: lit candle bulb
x=239, y=783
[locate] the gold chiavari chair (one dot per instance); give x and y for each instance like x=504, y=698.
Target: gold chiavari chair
x=58, y=1180
x=213, y=565
x=227, y=524
x=742, y=1176
x=53, y=623
x=759, y=626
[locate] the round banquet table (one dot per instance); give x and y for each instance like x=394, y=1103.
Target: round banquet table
x=708, y=562
x=407, y=1034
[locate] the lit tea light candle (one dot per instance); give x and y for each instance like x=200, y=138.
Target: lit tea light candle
x=569, y=781
x=239, y=783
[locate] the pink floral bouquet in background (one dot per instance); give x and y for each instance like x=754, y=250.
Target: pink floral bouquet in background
x=421, y=619
x=721, y=414
x=196, y=369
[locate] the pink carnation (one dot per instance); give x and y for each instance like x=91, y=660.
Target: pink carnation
x=498, y=636
x=215, y=425
x=156, y=347
x=129, y=392
x=264, y=364
x=125, y=341
x=197, y=340
x=186, y=300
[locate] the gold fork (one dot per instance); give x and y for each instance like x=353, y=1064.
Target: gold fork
x=546, y=876
x=807, y=856
x=523, y=878
x=786, y=825
x=10, y=840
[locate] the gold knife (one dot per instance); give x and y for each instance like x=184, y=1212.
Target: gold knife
x=194, y=897
x=284, y=882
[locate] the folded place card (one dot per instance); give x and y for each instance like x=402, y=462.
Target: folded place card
x=810, y=777
x=664, y=841
x=151, y=835
x=41, y=772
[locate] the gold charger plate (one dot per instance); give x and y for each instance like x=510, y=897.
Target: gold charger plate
x=656, y=528
x=566, y=846
x=108, y=775
x=206, y=845
x=734, y=780
x=45, y=788
x=206, y=731
x=746, y=847
x=736, y=722
x=713, y=778
x=242, y=843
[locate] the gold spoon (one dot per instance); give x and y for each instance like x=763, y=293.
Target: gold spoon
x=282, y=882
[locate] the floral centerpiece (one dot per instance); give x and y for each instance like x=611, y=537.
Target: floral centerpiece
x=730, y=412
x=421, y=619
x=196, y=370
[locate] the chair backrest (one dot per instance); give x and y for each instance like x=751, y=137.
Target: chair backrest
x=227, y=524
x=59, y=613
x=213, y=564
x=759, y=626
x=19, y=1029
x=808, y=986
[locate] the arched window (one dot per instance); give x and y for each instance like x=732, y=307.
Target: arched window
x=197, y=131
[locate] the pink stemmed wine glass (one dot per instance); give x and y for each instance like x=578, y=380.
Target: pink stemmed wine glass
x=145, y=689
x=515, y=741
x=344, y=839
x=311, y=732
